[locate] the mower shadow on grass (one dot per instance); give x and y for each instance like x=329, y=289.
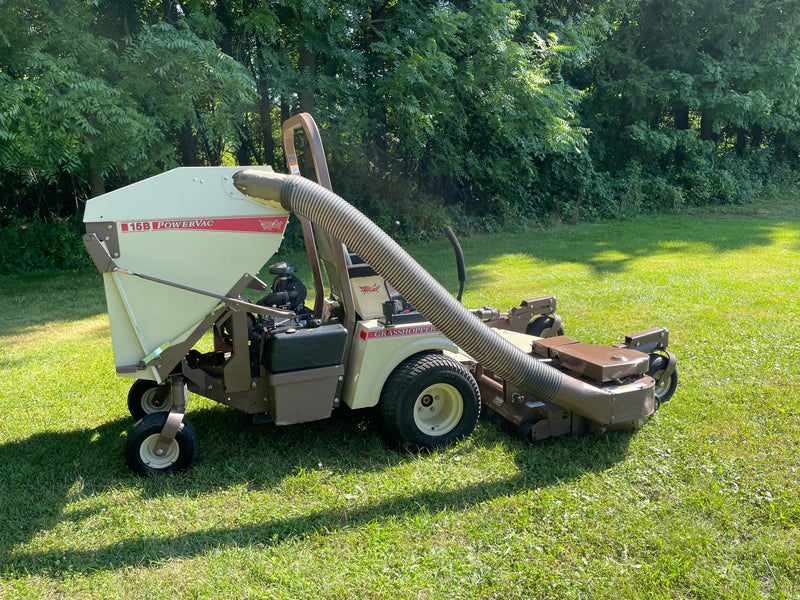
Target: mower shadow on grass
x=42, y=475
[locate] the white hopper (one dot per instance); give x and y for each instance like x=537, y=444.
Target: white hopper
x=189, y=226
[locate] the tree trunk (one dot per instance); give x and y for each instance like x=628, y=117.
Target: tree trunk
x=741, y=141
x=97, y=183
x=265, y=116
x=224, y=17
x=682, y=118
x=286, y=111
x=707, y=127
x=308, y=68
x=187, y=146
x=243, y=155
x=169, y=11
x=756, y=136
x=264, y=105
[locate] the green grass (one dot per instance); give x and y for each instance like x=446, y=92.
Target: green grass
x=701, y=503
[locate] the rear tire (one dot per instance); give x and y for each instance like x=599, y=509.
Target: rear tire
x=429, y=400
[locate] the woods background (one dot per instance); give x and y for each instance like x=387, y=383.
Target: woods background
x=483, y=114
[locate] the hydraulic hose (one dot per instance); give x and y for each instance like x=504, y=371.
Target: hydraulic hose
x=371, y=243
x=462, y=271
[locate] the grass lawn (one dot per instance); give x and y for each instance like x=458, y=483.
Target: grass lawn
x=701, y=503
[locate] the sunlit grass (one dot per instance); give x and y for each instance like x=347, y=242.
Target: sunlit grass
x=701, y=503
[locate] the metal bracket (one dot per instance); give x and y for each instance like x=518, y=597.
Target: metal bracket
x=648, y=340
x=180, y=398
x=518, y=318
x=153, y=357
x=544, y=306
x=256, y=284
x=672, y=363
x=106, y=232
x=98, y=253
x=552, y=331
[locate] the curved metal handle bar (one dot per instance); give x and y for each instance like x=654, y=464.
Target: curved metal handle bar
x=311, y=131
x=306, y=121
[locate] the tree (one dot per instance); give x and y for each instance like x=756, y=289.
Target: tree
x=62, y=112
x=685, y=78
x=196, y=94
x=450, y=108
x=478, y=112
x=76, y=103
x=452, y=100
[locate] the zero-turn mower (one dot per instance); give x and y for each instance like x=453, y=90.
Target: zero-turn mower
x=178, y=250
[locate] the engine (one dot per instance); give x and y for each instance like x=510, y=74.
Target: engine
x=287, y=292
x=295, y=343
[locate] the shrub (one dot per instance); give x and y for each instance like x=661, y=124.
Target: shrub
x=36, y=246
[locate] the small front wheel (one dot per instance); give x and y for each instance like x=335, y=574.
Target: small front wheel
x=664, y=389
x=543, y=324
x=147, y=397
x=140, y=453
x=429, y=400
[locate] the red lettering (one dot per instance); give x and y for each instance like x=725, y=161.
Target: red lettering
x=402, y=331
x=369, y=289
x=252, y=224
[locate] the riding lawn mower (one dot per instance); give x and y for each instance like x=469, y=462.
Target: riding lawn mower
x=178, y=250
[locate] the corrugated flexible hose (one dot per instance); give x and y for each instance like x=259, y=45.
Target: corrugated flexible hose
x=382, y=253
x=371, y=243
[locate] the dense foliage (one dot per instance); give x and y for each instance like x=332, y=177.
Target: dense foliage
x=480, y=113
